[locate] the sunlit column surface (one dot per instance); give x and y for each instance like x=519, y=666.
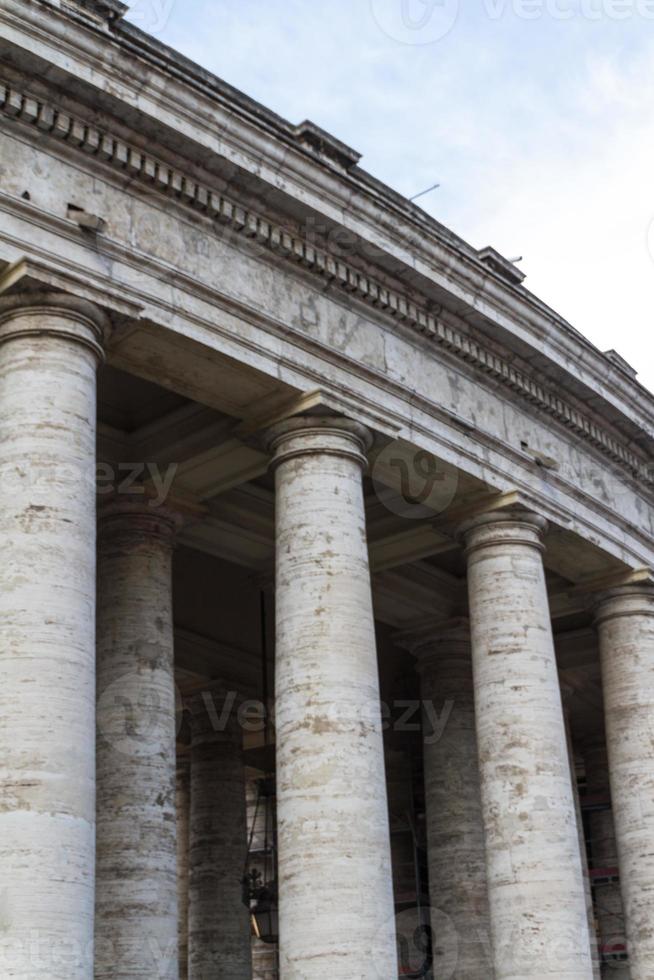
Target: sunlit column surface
x=538, y=911
x=336, y=897
x=50, y=347
x=625, y=622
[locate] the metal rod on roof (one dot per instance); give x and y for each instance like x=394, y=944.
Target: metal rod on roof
x=432, y=188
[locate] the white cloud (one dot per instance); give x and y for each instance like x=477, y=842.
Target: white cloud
x=541, y=133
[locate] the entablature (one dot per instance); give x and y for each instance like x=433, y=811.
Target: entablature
x=203, y=119
x=411, y=311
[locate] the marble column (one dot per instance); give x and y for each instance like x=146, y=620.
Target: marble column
x=219, y=921
x=50, y=348
x=625, y=622
x=610, y=912
x=455, y=830
x=183, y=808
x=539, y=921
x=335, y=881
x=136, y=895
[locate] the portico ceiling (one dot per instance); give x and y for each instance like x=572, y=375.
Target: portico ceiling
x=218, y=468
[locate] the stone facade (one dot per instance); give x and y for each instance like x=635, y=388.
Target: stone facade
x=342, y=467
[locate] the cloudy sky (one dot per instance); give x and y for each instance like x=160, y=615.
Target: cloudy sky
x=536, y=116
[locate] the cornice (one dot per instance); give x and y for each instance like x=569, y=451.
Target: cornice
x=155, y=175
x=210, y=116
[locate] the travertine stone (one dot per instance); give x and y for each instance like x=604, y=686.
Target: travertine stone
x=609, y=909
x=183, y=806
x=455, y=832
x=625, y=622
x=566, y=696
x=336, y=897
x=538, y=911
x=136, y=895
x=50, y=345
x=219, y=922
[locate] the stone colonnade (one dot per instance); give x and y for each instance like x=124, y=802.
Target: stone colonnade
x=515, y=838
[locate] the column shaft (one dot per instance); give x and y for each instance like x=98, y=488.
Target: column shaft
x=183, y=807
x=538, y=910
x=219, y=924
x=136, y=896
x=455, y=829
x=49, y=353
x=625, y=623
x=336, y=895
x=583, y=851
x=608, y=897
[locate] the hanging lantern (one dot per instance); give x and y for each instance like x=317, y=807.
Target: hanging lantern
x=260, y=882
x=263, y=906
x=260, y=878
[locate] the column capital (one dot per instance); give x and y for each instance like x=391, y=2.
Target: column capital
x=214, y=712
x=122, y=520
x=448, y=638
x=55, y=314
x=443, y=655
x=626, y=600
x=497, y=527
x=307, y=435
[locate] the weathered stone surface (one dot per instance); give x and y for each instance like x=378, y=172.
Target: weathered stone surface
x=566, y=695
x=537, y=905
x=219, y=922
x=336, y=898
x=183, y=807
x=455, y=830
x=519, y=381
x=136, y=893
x=625, y=621
x=49, y=348
x=247, y=265
x=608, y=897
